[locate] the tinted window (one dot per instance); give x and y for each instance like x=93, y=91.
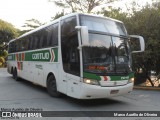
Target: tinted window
x=54, y=40
x=25, y=43
x=14, y=46
x=43, y=37
x=68, y=27
x=35, y=41
x=11, y=47
x=103, y=25
x=18, y=45
x=30, y=38
x=47, y=37
x=69, y=44
x=52, y=35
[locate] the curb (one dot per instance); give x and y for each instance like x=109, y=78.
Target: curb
x=146, y=88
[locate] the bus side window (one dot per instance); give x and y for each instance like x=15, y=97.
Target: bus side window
x=24, y=44
x=54, y=40
x=18, y=45
x=40, y=39
x=35, y=41
x=30, y=47
x=44, y=37
x=41, y=42
x=11, y=47
x=52, y=35
x=49, y=35
x=69, y=44
x=14, y=47
x=27, y=43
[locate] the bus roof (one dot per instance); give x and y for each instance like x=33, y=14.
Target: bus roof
x=61, y=18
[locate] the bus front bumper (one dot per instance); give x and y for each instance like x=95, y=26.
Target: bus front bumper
x=94, y=92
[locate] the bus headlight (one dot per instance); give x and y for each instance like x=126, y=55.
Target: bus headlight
x=90, y=81
x=131, y=80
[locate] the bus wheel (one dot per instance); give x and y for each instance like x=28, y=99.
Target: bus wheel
x=15, y=76
x=12, y=70
x=52, y=87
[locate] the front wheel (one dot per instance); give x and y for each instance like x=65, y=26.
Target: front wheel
x=52, y=87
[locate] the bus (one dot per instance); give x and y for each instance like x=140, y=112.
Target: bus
x=80, y=55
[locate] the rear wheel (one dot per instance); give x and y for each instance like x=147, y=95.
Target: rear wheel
x=15, y=76
x=12, y=72
x=52, y=87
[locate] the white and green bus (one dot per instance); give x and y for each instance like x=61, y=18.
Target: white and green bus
x=80, y=55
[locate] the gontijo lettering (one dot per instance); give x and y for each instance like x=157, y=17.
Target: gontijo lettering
x=42, y=56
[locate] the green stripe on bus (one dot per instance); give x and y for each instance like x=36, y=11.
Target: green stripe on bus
x=91, y=76
x=48, y=55
x=113, y=78
x=11, y=57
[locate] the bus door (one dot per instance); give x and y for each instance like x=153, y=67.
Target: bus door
x=70, y=55
x=71, y=67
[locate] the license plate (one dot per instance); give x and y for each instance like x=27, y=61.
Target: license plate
x=114, y=91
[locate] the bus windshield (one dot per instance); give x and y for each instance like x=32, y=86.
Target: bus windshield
x=106, y=55
x=103, y=25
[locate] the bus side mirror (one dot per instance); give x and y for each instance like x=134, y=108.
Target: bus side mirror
x=137, y=43
x=83, y=34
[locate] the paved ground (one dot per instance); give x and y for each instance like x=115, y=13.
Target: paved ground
x=22, y=95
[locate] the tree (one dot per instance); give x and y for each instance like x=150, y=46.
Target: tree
x=3, y=54
x=58, y=15
x=144, y=22
x=84, y=6
x=7, y=31
x=31, y=24
x=148, y=25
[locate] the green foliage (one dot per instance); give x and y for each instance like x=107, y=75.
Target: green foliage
x=144, y=22
x=58, y=15
x=30, y=25
x=147, y=23
x=7, y=31
x=114, y=13
x=3, y=54
x=84, y=6
x=2, y=61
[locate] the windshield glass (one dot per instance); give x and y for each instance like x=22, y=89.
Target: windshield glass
x=103, y=25
x=106, y=55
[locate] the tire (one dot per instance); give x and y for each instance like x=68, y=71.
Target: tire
x=52, y=87
x=12, y=72
x=15, y=76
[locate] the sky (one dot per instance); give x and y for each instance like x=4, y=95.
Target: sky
x=17, y=12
